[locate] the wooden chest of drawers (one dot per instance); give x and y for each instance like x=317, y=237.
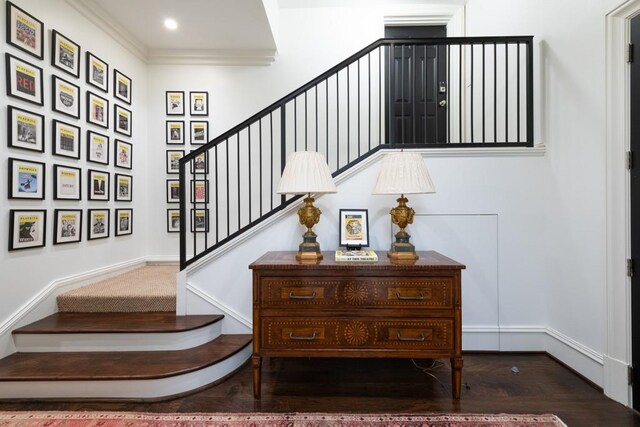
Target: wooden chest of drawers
x=336, y=309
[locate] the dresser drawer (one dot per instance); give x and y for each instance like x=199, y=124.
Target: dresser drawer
x=428, y=292
x=348, y=333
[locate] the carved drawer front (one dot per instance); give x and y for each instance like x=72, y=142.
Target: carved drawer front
x=427, y=292
x=336, y=333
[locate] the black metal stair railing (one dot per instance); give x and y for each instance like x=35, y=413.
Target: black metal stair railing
x=410, y=93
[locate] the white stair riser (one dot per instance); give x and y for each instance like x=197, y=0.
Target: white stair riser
x=32, y=343
x=149, y=389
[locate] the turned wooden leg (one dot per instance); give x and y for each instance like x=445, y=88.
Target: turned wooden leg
x=456, y=376
x=256, y=362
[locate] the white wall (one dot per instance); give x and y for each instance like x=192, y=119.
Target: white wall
x=26, y=273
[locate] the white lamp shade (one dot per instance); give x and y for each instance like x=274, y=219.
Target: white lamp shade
x=403, y=173
x=306, y=172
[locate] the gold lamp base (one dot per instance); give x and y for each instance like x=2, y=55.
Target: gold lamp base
x=309, y=249
x=402, y=215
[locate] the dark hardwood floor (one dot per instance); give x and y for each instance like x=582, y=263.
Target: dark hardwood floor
x=392, y=386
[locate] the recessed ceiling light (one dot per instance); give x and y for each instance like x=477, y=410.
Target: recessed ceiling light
x=170, y=24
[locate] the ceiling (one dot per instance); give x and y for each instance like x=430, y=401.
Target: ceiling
x=209, y=31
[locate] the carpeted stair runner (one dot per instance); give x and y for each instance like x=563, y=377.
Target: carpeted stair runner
x=148, y=288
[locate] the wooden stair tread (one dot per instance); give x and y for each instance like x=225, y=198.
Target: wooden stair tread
x=160, y=322
x=124, y=365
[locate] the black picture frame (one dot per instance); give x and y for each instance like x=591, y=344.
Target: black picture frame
x=65, y=139
x=199, y=221
x=199, y=132
x=25, y=129
x=97, y=147
x=27, y=229
x=96, y=72
x=175, y=132
x=199, y=103
x=27, y=179
x=65, y=97
x=25, y=83
x=200, y=164
x=97, y=191
x=122, y=154
x=173, y=220
x=173, y=191
x=173, y=157
x=20, y=38
x=122, y=120
x=123, y=187
x=121, y=86
x=65, y=54
x=174, y=103
x=98, y=223
x=97, y=110
x=199, y=191
x=354, y=228
x=121, y=228
x=66, y=179
x=67, y=226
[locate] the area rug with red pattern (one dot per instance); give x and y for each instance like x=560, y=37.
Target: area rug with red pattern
x=136, y=419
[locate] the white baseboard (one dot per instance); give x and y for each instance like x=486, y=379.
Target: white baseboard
x=616, y=381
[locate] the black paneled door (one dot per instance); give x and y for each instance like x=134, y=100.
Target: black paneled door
x=635, y=208
x=418, y=86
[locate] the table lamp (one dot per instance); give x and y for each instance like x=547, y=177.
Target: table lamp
x=306, y=172
x=403, y=173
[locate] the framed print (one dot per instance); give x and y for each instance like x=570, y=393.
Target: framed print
x=67, y=226
x=173, y=191
x=200, y=165
x=26, y=179
x=354, y=228
x=27, y=228
x=173, y=160
x=65, y=139
x=175, y=132
x=199, y=191
x=199, y=132
x=24, y=80
x=121, y=120
x=123, y=187
x=65, y=54
x=98, y=188
x=25, y=31
x=97, y=72
x=97, y=110
x=199, y=103
x=121, y=87
x=66, y=183
x=98, y=224
x=175, y=103
x=65, y=97
x=124, y=222
x=122, y=154
x=97, y=147
x=199, y=220
x=173, y=220
x=26, y=129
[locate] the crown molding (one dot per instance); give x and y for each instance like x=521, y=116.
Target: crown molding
x=211, y=56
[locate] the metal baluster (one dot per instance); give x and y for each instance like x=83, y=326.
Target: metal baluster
x=412, y=90
x=518, y=92
x=316, y=110
x=348, y=115
x=295, y=124
x=369, y=97
x=249, y=166
x=484, y=73
x=260, y=157
x=471, y=46
x=217, y=207
x=228, y=185
x=271, y=153
x=506, y=92
x=495, y=92
x=529, y=92
x=425, y=78
x=448, y=92
x=358, y=107
x=283, y=144
x=460, y=91
x=402, y=124
x=306, y=127
x=238, y=173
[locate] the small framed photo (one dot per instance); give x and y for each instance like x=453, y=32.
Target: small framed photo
x=97, y=147
x=65, y=139
x=175, y=103
x=24, y=80
x=199, y=220
x=25, y=31
x=66, y=183
x=98, y=188
x=199, y=191
x=65, y=54
x=122, y=154
x=121, y=87
x=97, y=72
x=173, y=191
x=27, y=228
x=199, y=103
x=65, y=97
x=121, y=120
x=26, y=179
x=173, y=160
x=26, y=129
x=354, y=228
x=173, y=220
x=98, y=224
x=200, y=164
x=199, y=132
x=97, y=110
x=175, y=132
x=123, y=187
x=67, y=226
x=124, y=222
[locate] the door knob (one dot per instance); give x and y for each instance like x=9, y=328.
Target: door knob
x=443, y=103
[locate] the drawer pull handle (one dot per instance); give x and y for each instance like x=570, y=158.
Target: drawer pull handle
x=419, y=297
x=401, y=338
x=293, y=296
x=297, y=338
